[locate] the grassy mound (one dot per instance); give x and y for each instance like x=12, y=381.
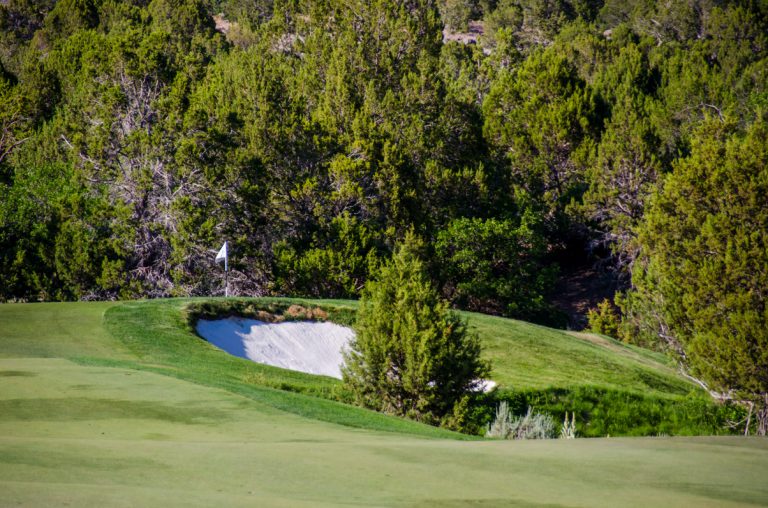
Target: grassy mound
x=614, y=389
x=160, y=335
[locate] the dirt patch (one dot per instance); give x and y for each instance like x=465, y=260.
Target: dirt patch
x=300, y=312
x=582, y=289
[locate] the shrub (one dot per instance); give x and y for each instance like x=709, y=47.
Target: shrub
x=604, y=319
x=603, y=411
x=496, y=267
x=501, y=427
x=456, y=13
x=568, y=430
x=532, y=425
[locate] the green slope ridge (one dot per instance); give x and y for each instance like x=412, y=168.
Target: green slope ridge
x=614, y=389
x=528, y=356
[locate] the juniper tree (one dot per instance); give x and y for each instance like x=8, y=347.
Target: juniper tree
x=703, y=272
x=412, y=356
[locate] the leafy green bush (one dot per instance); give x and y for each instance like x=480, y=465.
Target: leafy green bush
x=335, y=267
x=495, y=266
x=603, y=412
x=456, y=13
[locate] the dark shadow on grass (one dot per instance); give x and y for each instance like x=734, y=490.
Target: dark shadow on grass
x=480, y=503
x=80, y=409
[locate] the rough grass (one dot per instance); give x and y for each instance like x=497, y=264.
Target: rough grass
x=614, y=389
x=133, y=423
x=527, y=356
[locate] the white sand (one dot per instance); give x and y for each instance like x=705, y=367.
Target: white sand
x=305, y=346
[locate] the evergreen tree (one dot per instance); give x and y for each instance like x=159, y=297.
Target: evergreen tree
x=412, y=356
x=496, y=267
x=703, y=272
x=542, y=120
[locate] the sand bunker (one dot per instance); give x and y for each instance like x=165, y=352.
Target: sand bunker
x=306, y=346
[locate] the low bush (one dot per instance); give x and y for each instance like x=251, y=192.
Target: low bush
x=568, y=430
x=604, y=319
x=532, y=425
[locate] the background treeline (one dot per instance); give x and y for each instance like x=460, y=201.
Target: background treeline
x=136, y=136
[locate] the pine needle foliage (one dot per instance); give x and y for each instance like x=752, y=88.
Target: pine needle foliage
x=412, y=356
x=701, y=279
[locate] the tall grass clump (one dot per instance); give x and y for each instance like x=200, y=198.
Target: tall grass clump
x=532, y=425
x=601, y=411
x=568, y=430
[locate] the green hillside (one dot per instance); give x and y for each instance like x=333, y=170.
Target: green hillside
x=120, y=404
x=529, y=356
x=615, y=389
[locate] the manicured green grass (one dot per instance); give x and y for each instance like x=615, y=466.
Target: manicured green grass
x=57, y=330
x=531, y=357
x=614, y=389
x=524, y=356
x=157, y=333
x=81, y=435
x=121, y=405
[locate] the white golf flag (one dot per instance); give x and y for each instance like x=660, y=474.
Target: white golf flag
x=222, y=255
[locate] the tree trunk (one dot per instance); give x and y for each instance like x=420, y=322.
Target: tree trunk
x=762, y=417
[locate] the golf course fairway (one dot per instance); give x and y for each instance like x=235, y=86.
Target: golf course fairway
x=87, y=419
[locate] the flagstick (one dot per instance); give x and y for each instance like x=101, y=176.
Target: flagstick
x=224, y=254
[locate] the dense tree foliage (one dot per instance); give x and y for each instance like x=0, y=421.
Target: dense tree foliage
x=136, y=136
x=702, y=277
